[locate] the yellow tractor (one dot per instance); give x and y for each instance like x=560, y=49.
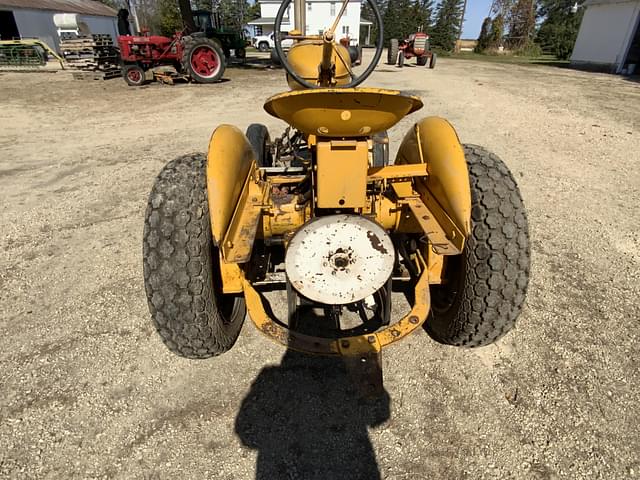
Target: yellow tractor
x=322, y=213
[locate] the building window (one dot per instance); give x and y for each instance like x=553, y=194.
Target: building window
x=345, y=29
x=333, y=9
x=258, y=30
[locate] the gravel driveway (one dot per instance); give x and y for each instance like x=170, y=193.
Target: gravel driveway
x=88, y=390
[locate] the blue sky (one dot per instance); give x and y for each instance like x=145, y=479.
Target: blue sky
x=477, y=10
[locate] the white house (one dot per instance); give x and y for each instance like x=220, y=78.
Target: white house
x=319, y=16
x=34, y=18
x=609, y=36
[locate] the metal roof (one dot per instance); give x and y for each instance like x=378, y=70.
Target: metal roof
x=263, y=21
x=84, y=7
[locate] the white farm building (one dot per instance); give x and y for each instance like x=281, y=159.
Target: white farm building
x=21, y=19
x=609, y=36
x=319, y=16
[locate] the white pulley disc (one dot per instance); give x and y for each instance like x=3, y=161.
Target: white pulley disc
x=339, y=259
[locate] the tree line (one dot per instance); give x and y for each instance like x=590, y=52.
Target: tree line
x=532, y=27
x=527, y=27
x=403, y=17
x=163, y=16
x=518, y=25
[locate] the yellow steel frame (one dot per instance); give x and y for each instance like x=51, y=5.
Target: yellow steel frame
x=445, y=236
x=349, y=188
x=430, y=195
x=347, y=346
x=241, y=233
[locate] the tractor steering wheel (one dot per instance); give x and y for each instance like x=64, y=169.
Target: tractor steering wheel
x=355, y=79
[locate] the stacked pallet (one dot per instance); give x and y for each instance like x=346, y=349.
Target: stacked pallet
x=91, y=57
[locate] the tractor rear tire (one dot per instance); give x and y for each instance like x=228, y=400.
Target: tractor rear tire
x=203, y=59
x=432, y=63
x=486, y=285
x=392, y=52
x=181, y=274
x=134, y=75
x=258, y=136
x=422, y=61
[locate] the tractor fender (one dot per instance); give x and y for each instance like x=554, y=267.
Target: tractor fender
x=229, y=161
x=434, y=141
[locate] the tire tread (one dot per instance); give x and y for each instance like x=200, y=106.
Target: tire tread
x=178, y=267
x=497, y=257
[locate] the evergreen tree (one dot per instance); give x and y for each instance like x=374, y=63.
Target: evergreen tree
x=253, y=11
x=367, y=14
x=420, y=15
x=396, y=20
x=559, y=29
x=484, y=38
x=202, y=5
x=446, y=30
x=497, y=32
x=169, y=19
x=400, y=18
x=234, y=13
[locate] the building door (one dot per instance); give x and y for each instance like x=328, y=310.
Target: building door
x=8, y=27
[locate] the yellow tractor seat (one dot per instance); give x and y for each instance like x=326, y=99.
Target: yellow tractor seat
x=342, y=112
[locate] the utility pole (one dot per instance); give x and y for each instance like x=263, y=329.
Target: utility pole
x=131, y=6
x=464, y=11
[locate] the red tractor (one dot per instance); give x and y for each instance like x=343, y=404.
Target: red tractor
x=195, y=56
x=417, y=45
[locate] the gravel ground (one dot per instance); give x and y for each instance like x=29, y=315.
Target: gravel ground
x=88, y=389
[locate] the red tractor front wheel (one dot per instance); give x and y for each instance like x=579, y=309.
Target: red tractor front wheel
x=134, y=75
x=203, y=59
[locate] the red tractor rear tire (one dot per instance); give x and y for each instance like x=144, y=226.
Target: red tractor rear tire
x=203, y=59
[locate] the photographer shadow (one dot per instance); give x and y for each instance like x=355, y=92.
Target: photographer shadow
x=307, y=421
